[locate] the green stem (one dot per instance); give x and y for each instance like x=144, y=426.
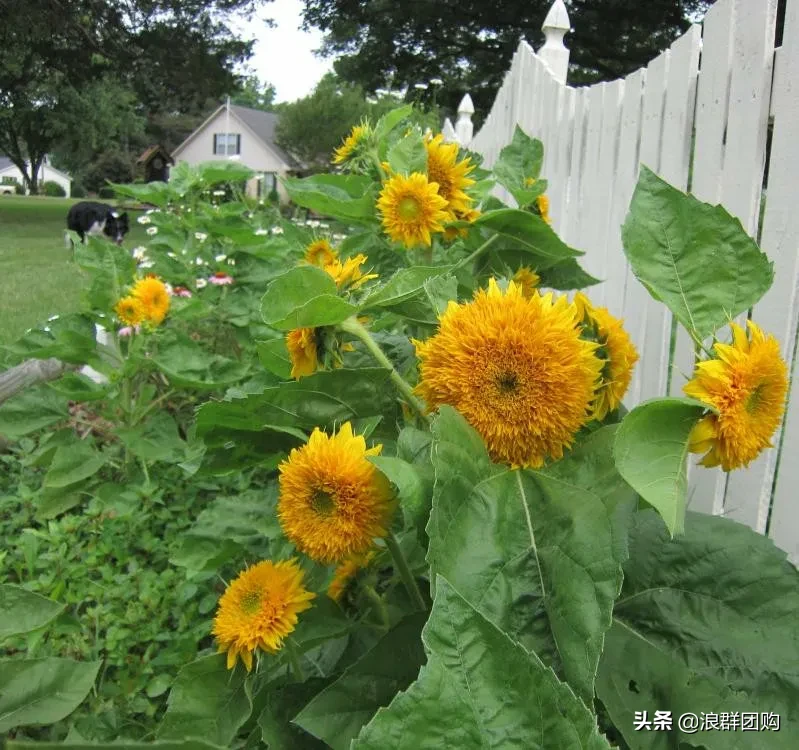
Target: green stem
x=695, y=337
x=146, y=473
x=351, y=325
x=476, y=254
x=294, y=660
x=152, y=405
x=405, y=571
x=378, y=604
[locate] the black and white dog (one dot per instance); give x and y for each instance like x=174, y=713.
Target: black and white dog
x=92, y=218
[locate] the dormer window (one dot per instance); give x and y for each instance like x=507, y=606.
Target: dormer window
x=227, y=144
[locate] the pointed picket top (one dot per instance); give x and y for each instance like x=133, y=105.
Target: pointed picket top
x=464, y=128
x=554, y=52
x=448, y=131
x=557, y=18
x=466, y=106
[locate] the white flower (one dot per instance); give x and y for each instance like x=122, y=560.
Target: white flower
x=436, y=82
x=261, y=232
x=169, y=288
x=231, y=261
x=52, y=318
x=312, y=223
x=220, y=258
x=171, y=255
x=144, y=219
x=277, y=230
x=261, y=202
x=339, y=237
x=218, y=192
x=146, y=264
x=200, y=262
x=152, y=211
x=201, y=283
x=200, y=236
x=152, y=230
x=140, y=252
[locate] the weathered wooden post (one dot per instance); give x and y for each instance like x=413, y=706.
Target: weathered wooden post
x=448, y=131
x=554, y=52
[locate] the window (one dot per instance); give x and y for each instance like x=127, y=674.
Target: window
x=227, y=144
x=266, y=183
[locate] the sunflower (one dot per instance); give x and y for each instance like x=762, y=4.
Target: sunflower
x=542, y=202
x=411, y=209
x=301, y=343
x=320, y=253
x=448, y=173
x=515, y=368
x=333, y=501
x=130, y=311
x=154, y=298
x=452, y=233
x=528, y=280
x=348, y=273
x=352, y=143
x=259, y=609
x=616, y=350
x=746, y=387
x=346, y=573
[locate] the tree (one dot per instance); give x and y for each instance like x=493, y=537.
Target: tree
x=469, y=43
x=255, y=94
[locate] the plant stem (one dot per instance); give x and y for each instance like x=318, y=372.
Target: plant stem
x=351, y=325
x=405, y=571
x=480, y=250
x=695, y=337
x=378, y=604
x=153, y=404
x=146, y=473
x=294, y=660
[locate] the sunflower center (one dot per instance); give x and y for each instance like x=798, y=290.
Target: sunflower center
x=250, y=602
x=508, y=382
x=755, y=398
x=408, y=209
x=322, y=502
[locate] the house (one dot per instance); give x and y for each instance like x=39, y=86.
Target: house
x=10, y=174
x=246, y=135
x=154, y=164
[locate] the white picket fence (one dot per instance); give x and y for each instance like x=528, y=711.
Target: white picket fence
x=699, y=111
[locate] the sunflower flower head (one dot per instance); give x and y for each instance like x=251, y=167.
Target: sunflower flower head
x=130, y=311
x=527, y=280
x=320, y=253
x=348, y=275
x=353, y=144
x=259, y=609
x=745, y=386
x=153, y=296
x=515, y=368
x=333, y=501
x=303, y=351
x=542, y=203
x=616, y=350
x=411, y=209
x=346, y=574
x=448, y=173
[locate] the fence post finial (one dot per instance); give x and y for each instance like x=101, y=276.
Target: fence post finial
x=554, y=52
x=464, y=128
x=448, y=131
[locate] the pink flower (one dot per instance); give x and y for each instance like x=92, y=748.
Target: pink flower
x=220, y=278
x=128, y=331
x=181, y=291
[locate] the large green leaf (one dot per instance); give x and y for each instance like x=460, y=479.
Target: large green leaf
x=31, y=410
x=217, y=171
x=533, y=552
x=155, y=193
x=73, y=463
x=79, y=387
x=157, y=439
x=116, y=745
x=479, y=689
x=337, y=714
x=390, y=120
x=350, y=198
x=208, y=701
x=304, y=297
x=706, y=623
x=281, y=704
x=22, y=611
x=566, y=275
x=692, y=256
x=42, y=691
x=70, y=338
x=651, y=454
x=519, y=162
x=408, y=154
x=189, y=365
x=402, y=286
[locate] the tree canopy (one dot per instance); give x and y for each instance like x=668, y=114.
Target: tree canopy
x=469, y=43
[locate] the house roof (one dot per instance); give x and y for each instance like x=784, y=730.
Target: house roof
x=150, y=152
x=5, y=162
x=261, y=124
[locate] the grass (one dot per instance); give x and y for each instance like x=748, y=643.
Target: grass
x=37, y=275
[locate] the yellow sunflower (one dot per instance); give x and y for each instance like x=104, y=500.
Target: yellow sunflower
x=528, y=280
x=452, y=233
x=345, y=574
x=301, y=343
x=130, y=311
x=348, y=273
x=616, y=350
x=352, y=143
x=154, y=298
x=259, y=609
x=320, y=253
x=412, y=209
x=515, y=368
x=746, y=387
x=448, y=173
x=333, y=501
x=543, y=208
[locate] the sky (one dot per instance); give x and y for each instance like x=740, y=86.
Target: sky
x=284, y=54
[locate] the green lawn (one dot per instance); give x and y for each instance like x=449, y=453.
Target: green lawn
x=37, y=275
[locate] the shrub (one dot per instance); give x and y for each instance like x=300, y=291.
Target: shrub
x=106, y=192
x=110, y=166
x=53, y=189
x=78, y=191
x=19, y=189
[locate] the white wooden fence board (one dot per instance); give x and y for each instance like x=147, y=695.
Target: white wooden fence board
x=561, y=146
x=749, y=492
x=573, y=206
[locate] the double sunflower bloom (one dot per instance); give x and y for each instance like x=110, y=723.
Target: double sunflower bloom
x=147, y=302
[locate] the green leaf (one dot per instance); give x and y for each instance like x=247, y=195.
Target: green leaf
x=217, y=171
x=348, y=197
x=404, y=285
x=566, y=275
x=111, y=271
x=410, y=487
x=189, y=365
x=71, y=464
x=519, y=161
x=304, y=297
x=390, y=120
x=337, y=714
x=706, y=623
x=651, y=454
x=155, y=193
x=22, y=611
x=479, y=689
x=694, y=257
x=409, y=154
x=274, y=356
x=155, y=440
x=116, y=745
x=439, y=291
x=282, y=703
x=42, y=691
x=70, y=338
x=533, y=552
x=78, y=387
x=521, y=230
x=207, y=700
x=31, y=410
